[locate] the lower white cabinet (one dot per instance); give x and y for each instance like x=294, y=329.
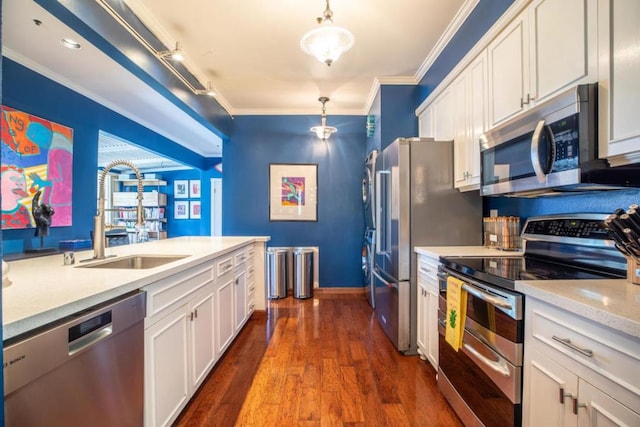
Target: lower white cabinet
x=225, y=324
x=427, y=316
x=576, y=372
x=192, y=318
x=179, y=352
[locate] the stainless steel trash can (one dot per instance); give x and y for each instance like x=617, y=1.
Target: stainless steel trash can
x=303, y=273
x=277, y=273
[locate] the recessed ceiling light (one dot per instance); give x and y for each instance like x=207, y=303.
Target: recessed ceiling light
x=69, y=43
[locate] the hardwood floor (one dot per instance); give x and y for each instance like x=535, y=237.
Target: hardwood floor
x=318, y=362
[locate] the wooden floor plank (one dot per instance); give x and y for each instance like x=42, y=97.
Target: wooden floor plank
x=324, y=361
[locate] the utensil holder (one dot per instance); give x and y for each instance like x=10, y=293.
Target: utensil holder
x=633, y=271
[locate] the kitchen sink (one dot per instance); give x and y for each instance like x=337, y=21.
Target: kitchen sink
x=136, y=262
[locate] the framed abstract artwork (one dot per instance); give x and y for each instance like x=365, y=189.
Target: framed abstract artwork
x=37, y=156
x=194, y=209
x=293, y=192
x=181, y=210
x=194, y=188
x=181, y=189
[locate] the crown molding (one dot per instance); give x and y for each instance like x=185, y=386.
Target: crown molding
x=451, y=30
x=516, y=7
x=295, y=112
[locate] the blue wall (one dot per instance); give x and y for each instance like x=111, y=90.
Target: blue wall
x=485, y=14
x=258, y=141
x=596, y=202
x=30, y=92
x=394, y=111
x=190, y=227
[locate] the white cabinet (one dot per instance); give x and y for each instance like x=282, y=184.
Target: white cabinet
x=549, y=47
x=425, y=123
x=192, y=318
x=508, y=59
x=577, y=372
x=619, y=85
x=241, y=299
x=470, y=121
x=179, y=342
x=427, y=316
x=203, y=349
x=443, y=119
x=257, y=277
x=225, y=324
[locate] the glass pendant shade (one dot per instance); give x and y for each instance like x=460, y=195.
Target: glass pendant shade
x=323, y=131
x=327, y=42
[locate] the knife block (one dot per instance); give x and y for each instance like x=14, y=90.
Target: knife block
x=633, y=271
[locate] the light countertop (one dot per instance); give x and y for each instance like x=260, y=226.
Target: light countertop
x=438, y=251
x=613, y=303
x=44, y=290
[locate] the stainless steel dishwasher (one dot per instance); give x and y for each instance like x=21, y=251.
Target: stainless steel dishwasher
x=86, y=369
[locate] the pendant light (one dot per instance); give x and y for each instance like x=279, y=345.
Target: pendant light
x=323, y=131
x=327, y=42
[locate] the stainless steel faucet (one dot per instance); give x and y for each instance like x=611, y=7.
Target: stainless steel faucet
x=98, y=220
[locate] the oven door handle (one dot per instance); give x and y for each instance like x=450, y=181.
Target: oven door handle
x=499, y=365
x=486, y=297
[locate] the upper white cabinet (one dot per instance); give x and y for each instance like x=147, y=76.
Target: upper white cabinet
x=443, y=120
x=470, y=94
x=549, y=47
x=508, y=57
x=619, y=85
x=425, y=123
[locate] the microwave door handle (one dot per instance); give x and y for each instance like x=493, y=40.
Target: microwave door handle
x=540, y=170
x=535, y=147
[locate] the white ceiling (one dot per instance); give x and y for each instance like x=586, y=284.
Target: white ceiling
x=249, y=50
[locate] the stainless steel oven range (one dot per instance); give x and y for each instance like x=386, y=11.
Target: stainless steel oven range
x=483, y=380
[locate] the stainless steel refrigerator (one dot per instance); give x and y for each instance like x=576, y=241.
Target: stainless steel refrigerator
x=416, y=205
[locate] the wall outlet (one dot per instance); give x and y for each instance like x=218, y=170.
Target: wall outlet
x=493, y=213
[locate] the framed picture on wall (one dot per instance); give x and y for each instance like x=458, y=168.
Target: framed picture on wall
x=181, y=189
x=194, y=188
x=293, y=190
x=194, y=209
x=181, y=210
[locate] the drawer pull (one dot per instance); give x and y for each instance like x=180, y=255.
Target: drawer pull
x=572, y=346
x=425, y=270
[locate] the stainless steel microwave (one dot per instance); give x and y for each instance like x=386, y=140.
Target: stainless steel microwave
x=552, y=147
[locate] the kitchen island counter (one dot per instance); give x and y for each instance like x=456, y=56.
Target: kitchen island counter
x=44, y=290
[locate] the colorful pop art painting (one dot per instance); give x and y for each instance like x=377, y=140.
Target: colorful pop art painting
x=293, y=190
x=37, y=154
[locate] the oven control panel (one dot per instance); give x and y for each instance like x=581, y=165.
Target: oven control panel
x=567, y=227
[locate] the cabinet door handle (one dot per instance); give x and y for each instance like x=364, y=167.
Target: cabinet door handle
x=196, y=313
x=237, y=282
x=191, y=316
x=577, y=405
x=562, y=395
x=572, y=346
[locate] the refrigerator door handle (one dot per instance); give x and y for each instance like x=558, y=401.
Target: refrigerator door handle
x=383, y=280
x=378, y=209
